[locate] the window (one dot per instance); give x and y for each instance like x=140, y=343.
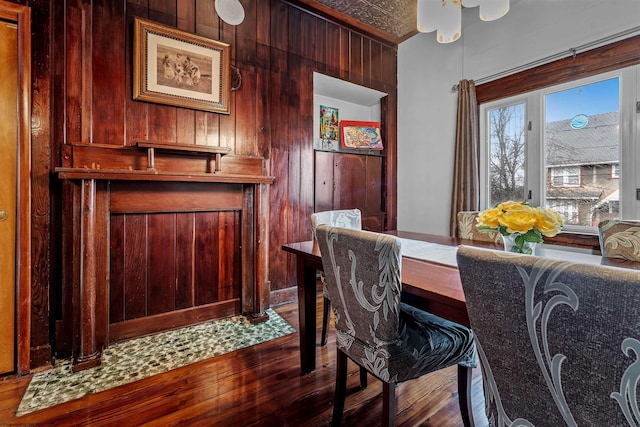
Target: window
x=568, y=209
x=507, y=153
x=615, y=170
x=565, y=177
x=561, y=146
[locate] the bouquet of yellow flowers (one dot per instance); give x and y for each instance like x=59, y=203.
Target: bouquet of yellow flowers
x=523, y=222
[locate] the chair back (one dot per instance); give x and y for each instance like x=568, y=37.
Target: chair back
x=345, y=218
x=620, y=239
x=558, y=342
x=467, y=221
x=362, y=277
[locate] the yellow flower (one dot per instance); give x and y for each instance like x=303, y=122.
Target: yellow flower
x=511, y=206
x=490, y=218
x=548, y=221
x=512, y=217
x=518, y=221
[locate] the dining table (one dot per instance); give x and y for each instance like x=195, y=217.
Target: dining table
x=430, y=278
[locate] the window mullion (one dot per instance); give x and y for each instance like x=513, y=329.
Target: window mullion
x=535, y=180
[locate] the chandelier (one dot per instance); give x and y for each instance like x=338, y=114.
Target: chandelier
x=445, y=16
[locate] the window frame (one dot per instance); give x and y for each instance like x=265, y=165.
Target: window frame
x=535, y=185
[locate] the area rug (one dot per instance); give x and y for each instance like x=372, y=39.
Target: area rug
x=143, y=357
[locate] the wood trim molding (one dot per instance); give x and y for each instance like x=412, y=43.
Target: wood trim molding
x=575, y=240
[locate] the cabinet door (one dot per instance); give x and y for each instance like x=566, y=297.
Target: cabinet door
x=374, y=185
x=350, y=180
x=347, y=181
x=323, y=181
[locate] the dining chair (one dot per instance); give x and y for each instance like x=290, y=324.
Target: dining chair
x=393, y=341
x=467, y=221
x=347, y=218
x=620, y=239
x=558, y=342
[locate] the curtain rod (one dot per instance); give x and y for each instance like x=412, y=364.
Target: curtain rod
x=570, y=52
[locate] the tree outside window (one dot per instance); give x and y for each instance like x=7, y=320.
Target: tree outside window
x=507, y=154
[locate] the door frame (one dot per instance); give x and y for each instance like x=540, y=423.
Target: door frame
x=21, y=16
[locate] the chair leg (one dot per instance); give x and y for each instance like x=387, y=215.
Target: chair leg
x=363, y=378
x=388, y=404
x=465, y=376
x=341, y=389
x=325, y=320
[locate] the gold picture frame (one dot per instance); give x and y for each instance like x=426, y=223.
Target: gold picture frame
x=177, y=68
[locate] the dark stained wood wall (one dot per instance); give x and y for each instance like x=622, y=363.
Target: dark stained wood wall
x=82, y=62
x=175, y=260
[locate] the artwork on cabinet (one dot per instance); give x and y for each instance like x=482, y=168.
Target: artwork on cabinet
x=329, y=127
x=361, y=135
x=177, y=68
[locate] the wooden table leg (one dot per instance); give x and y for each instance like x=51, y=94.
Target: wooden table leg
x=307, y=315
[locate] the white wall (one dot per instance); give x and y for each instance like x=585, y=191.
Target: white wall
x=426, y=125
x=532, y=30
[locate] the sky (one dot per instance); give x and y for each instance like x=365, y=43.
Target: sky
x=594, y=98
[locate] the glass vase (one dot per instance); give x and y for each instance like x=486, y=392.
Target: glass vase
x=519, y=246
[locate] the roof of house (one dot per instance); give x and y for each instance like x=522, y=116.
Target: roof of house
x=595, y=143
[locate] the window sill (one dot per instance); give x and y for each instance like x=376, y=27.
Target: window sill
x=575, y=240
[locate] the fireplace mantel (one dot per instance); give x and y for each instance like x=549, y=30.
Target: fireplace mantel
x=95, y=190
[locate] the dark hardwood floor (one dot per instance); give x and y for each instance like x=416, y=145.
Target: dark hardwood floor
x=256, y=386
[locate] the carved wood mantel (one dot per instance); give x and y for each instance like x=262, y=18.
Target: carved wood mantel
x=95, y=194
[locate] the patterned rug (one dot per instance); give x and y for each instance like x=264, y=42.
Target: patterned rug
x=143, y=357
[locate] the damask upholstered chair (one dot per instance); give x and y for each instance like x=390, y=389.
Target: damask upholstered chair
x=620, y=239
x=467, y=221
x=558, y=342
x=393, y=341
x=346, y=218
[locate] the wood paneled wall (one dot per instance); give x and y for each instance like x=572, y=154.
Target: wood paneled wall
x=82, y=85
x=161, y=262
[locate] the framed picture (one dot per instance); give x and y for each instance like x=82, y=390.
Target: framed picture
x=329, y=126
x=174, y=67
x=361, y=135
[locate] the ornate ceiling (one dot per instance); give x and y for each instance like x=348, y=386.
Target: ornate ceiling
x=392, y=20
x=396, y=17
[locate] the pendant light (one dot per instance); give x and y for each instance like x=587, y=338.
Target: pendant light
x=450, y=24
x=490, y=10
x=428, y=11
x=445, y=16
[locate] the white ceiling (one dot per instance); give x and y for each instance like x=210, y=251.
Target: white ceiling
x=345, y=91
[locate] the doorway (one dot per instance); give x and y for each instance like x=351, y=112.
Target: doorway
x=8, y=196
x=15, y=191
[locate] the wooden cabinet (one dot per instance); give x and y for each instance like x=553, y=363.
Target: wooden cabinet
x=347, y=181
